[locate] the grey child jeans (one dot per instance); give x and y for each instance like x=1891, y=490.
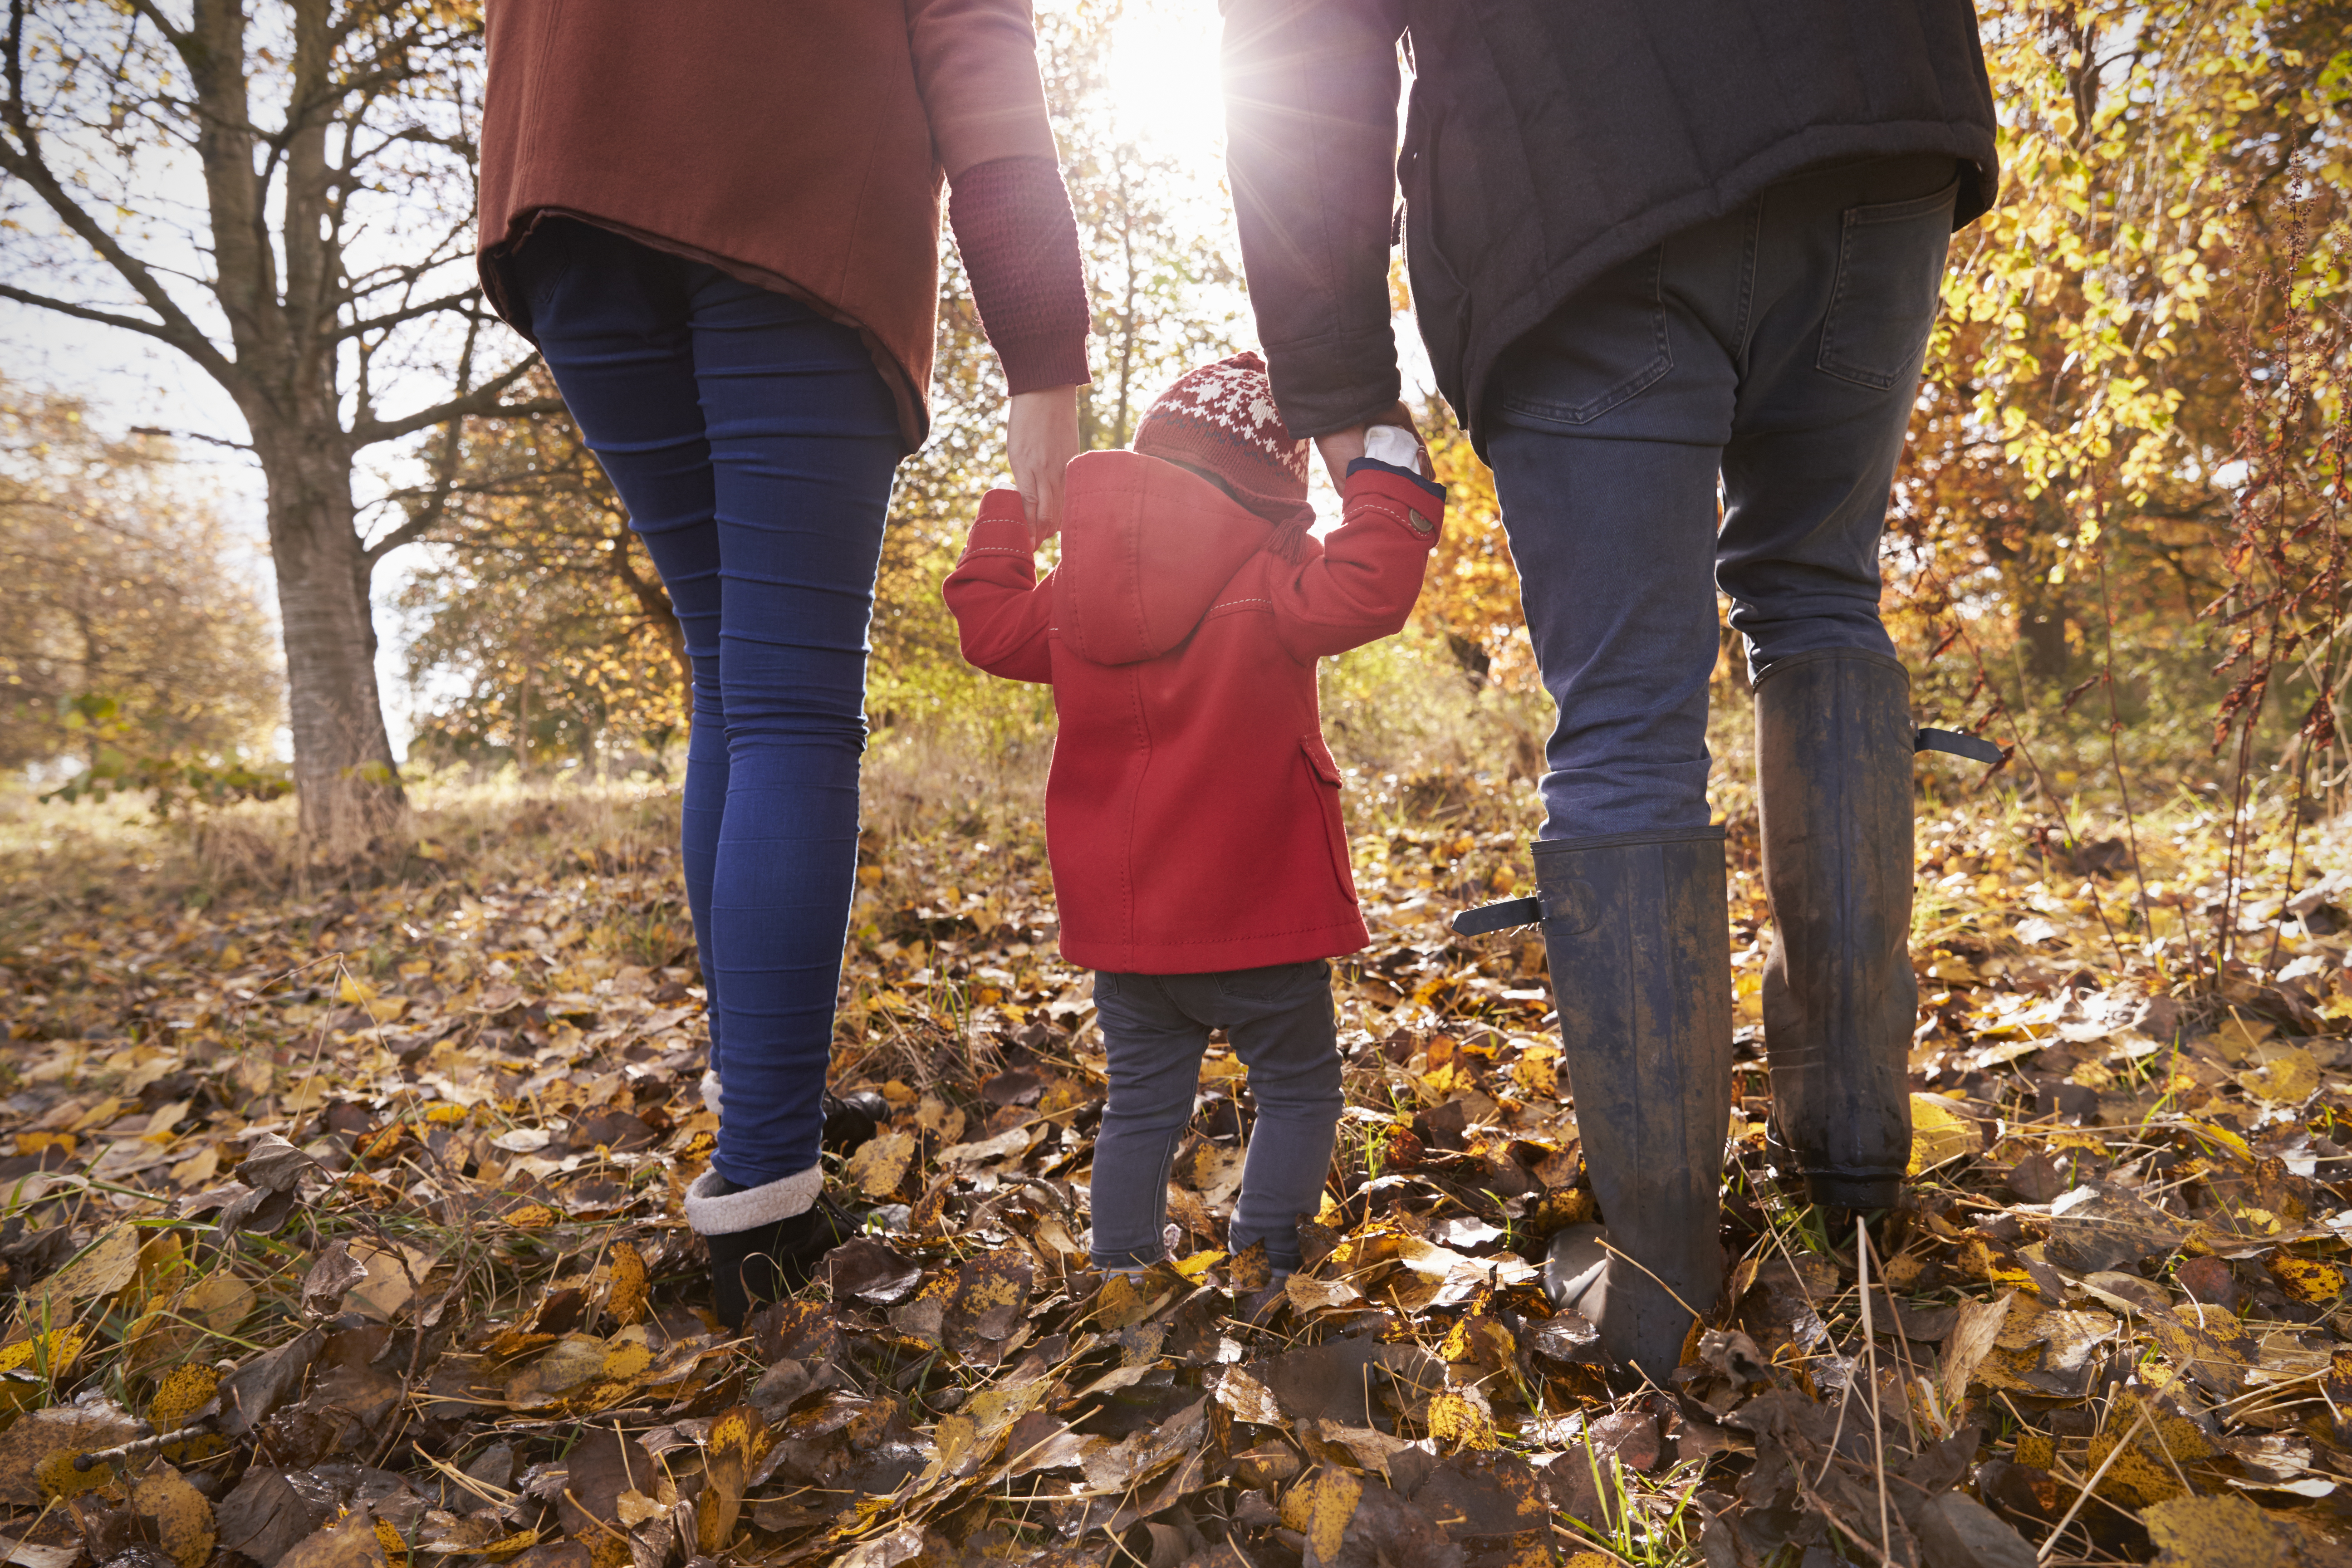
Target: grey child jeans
x=1155, y=1027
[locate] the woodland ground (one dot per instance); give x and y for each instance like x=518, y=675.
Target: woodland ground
x=345, y=1221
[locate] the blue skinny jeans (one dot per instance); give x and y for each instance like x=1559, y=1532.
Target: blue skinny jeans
x=753, y=443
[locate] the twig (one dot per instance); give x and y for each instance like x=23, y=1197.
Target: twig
x=139, y=1445
x=1869, y=1350
x=1819, y=1501
x=2145, y=1404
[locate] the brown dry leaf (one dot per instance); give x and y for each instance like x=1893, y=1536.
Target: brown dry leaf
x=108, y=1263
x=2208, y=1344
x=602, y=1465
x=219, y=1301
x=1974, y=1331
x=349, y=1542
x=392, y=1278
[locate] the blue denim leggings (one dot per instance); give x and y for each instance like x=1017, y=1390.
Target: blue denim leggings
x=1777, y=349
x=753, y=443
x=1155, y=1027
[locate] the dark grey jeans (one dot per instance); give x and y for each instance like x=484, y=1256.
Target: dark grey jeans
x=1779, y=347
x=1155, y=1027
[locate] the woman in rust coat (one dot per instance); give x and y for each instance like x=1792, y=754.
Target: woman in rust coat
x=720, y=223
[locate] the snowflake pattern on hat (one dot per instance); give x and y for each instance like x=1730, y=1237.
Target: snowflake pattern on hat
x=1222, y=418
x=1235, y=394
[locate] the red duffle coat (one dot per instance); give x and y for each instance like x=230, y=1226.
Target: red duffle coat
x=1192, y=811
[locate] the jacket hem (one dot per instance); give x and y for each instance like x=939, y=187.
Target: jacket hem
x=492, y=260
x=1207, y=957
x=1814, y=147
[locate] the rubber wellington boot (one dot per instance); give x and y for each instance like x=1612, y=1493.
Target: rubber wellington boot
x=1640, y=947
x=1834, y=744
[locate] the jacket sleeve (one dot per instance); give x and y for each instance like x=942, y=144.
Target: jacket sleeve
x=976, y=67
x=1311, y=142
x=1002, y=613
x=1363, y=585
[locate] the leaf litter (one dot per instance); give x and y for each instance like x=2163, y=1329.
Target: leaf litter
x=349, y=1232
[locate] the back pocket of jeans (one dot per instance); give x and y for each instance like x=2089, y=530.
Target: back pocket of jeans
x=1604, y=346
x=1890, y=274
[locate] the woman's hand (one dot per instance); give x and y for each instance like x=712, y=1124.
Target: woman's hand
x=1041, y=430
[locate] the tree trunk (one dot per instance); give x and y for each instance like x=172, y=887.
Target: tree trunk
x=348, y=786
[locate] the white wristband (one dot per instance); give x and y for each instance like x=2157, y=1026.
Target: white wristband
x=1388, y=444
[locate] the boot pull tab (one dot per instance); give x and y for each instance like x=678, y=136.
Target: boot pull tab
x=1975, y=748
x=1504, y=916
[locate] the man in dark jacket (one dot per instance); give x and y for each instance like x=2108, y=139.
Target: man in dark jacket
x=1655, y=249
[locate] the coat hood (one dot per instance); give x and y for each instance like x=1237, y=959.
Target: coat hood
x=1146, y=549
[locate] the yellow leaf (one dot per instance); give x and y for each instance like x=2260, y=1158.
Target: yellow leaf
x=184, y=1518
x=1329, y=1505
x=1938, y=1133
x=58, y=1478
x=879, y=1165
x=1459, y=1418
x=624, y=1361
x=2221, y=1532
x=2307, y=1279
x=628, y=1300
x=185, y=1390
x=2288, y=1078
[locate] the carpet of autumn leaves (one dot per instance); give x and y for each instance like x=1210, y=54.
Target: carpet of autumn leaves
x=342, y=1230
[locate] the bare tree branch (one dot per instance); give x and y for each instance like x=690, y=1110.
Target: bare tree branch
x=83, y=313
x=482, y=403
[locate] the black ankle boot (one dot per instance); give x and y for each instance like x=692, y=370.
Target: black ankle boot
x=1834, y=745
x=1640, y=947
x=763, y=1262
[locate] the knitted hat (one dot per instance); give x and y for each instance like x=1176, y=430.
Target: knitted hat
x=1221, y=419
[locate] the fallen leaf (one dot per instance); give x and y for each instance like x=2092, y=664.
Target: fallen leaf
x=183, y=1518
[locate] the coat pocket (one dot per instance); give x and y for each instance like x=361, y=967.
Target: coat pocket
x=1326, y=774
x=1890, y=279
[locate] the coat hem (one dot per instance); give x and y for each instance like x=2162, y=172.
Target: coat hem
x=1210, y=957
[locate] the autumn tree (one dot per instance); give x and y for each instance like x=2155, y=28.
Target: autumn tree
x=323, y=280
x=537, y=616
x=125, y=623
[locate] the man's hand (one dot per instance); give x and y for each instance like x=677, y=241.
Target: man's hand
x=1041, y=430
x=1341, y=448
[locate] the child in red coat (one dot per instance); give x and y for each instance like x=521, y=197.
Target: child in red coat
x=1192, y=811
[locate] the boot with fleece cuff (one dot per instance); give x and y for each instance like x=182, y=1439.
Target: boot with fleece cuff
x=765, y=1242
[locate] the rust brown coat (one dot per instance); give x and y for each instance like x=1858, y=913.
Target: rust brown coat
x=797, y=145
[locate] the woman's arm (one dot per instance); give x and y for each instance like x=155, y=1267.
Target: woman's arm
x=976, y=66
x=1002, y=613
